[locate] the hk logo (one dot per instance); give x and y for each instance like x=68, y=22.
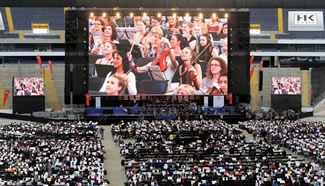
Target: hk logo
x=305, y=19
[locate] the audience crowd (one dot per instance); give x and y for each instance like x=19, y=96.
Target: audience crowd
x=302, y=137
x=205, y=152
x=55, y=153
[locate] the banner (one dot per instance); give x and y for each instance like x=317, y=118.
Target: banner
x=43, y=72
x=87, y=100
x=98, y=103
x=305, y=21
x=39, y=61
x=51, y=67
x=218, y=101
x=251, y=61
x=261, y=65
x=206, y=101
x=252, y=72
x=230, y=98
x=5, y=97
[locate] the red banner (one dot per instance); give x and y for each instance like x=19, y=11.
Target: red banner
x=51, y=67
x=230, y=98
x=43, y=72
x=252, y=72
x=87, y=100
x=39, y=61
x=261, y=65
x=5, y=97
x=251, y=61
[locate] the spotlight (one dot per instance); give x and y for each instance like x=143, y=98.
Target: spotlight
x=104, y=14
x=118, y=14
x=159, y=14
x=214, y=15
x=226, y=15
x=187, y=15
x=174, y=15
x=91, y=14
x=131, y=14
x=144, y=14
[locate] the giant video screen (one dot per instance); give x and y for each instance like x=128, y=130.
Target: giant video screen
x=150, y=55
x=286, y=85
x=28, y=86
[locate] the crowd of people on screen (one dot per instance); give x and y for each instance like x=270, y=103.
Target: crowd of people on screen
x=188, y=51
x=206, y=152
x=33, y=86
x=286, y=85
x=55, y=153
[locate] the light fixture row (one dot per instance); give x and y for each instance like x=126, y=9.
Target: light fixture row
x=159, y=14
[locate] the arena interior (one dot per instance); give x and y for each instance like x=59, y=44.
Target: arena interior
x=162, y=93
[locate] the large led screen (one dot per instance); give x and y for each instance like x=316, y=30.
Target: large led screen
x=151, y=55
x=29, y=86
x=286, y=85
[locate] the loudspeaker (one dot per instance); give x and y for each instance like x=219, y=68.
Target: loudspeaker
x=260, y=85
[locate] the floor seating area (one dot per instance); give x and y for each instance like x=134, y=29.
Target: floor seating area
x=205, y=152
x=56, y=153
x=302, y=137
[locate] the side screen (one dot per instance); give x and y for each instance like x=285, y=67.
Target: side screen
x=32, y=86
x=286, y=85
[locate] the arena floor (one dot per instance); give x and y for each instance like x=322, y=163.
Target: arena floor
x=115, y=173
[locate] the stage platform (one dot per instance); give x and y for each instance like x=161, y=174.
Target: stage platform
x=110, y=114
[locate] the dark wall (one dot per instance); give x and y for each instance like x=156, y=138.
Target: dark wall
x=28, y=104
x=167, y=3
x=238, y=57
x=317, y=81
x=76, y=56
x=285, y=102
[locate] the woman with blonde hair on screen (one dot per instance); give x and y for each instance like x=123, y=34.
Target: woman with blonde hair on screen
x=116, y=84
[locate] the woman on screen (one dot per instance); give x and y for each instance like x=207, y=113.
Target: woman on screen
x=97, y=26
x=109, y=34
x=187, y=28
x=121, y=65
x=91, y=42
x=198, y=22
x=223, y=82
x=163, y=53
x=108, y=50
x=224, y=51
x=172, y=26
x=216, y=67
x=190, y=73
x=116, y=84
x=206, y=48
x=176, y=43
x=140, y=38
x=207, y=51
x=185, y=90
x=214, y=26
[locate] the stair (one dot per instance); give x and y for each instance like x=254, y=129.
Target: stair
x=51, y=93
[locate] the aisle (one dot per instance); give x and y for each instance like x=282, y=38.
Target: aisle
x=112, y=162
